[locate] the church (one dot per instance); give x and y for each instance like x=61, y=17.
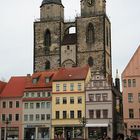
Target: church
x=90, y=43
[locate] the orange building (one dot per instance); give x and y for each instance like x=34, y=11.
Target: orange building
x=131, y=95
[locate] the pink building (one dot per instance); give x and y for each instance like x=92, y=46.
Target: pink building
x=11, y=108
x=131, y=95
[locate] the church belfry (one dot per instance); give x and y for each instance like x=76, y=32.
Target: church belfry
x=55, y=46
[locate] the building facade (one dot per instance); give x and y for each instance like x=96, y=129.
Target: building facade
x=11, y=109
x=68, y=103
x=37, y=106
x=131, y=95
x=55, y=46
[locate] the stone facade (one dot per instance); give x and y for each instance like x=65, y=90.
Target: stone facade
x=92, y=43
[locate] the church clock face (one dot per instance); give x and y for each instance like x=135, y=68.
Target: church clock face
x=90, y=2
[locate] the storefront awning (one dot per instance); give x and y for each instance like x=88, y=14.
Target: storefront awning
x=97, y=125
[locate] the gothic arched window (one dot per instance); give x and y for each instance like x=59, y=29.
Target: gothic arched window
x=47, y=65
x=90, y=33
x=47, y=39
x=90, y=61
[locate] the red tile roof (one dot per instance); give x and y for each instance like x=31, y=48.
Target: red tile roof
x=2, y=85
x=74, y=73
x=14, y=87
x=41, y=84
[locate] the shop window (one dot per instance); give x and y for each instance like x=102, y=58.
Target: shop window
x=43, y=133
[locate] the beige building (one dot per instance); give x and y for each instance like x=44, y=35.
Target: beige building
x=131, y=95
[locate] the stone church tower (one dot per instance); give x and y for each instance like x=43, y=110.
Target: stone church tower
x=55, y=46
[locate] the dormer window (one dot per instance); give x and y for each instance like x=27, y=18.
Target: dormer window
x=47, y=79
x=35, y=80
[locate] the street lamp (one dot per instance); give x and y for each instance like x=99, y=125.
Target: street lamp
x=6, y=126
x=83, y=122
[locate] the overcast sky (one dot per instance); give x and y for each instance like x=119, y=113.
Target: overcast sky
x=16, y=32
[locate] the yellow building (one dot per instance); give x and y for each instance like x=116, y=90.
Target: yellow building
x=68, y=102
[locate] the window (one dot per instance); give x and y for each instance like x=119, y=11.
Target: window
x=17, y=104
x=37, y=105
x=105, y=113
x=79, y=87
x=3, y=104
x=31, y=105
x=124, y=83
x=71, y=86
x=57, y=100
x=79, y=114
x=57, y=114
x=57, y=87
x=79, y=100
x=64, y=114
x=98, y=97
x=71, y=100
x=90, y=33
x=131, y=113
x=43, y=105
x=43, y=94
x=104, y=97
x=47, y=79
x=64, y=87
x=91, y=97
x=71, y=114
x=91, y=114
x=68, y=47
x=139, y=97
x=37, y=117
x=129, y=82
x=35, y=80
x=48, y=116
x=64, y=100
x=31, y=117
x=90, y=61
x=134, y=82
x=10, y=104
x=32, y=94
x=38, y=94
x=47, y=65
x=98, y=113
x=130, y=97
x=107, y=38
x=10, y=117
x=49, y=94
x=42, y=117
x=3, y=117
x=47, y=39
x=16, y=117
x=26, y=105
x=27, y=94
x=25, y=117
x=48, y=104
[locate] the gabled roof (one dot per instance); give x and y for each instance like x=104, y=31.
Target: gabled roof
x=70, y=74
x=133, y=67
x=41, y=76
x=14, y=87
x=2, y=85
x=69, y=39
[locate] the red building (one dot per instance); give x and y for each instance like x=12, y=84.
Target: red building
x=11, y=108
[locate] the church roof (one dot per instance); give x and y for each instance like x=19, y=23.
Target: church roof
x=51, y=2
x=69, y=39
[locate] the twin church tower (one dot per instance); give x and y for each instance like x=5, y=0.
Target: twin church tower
x=55, y=46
